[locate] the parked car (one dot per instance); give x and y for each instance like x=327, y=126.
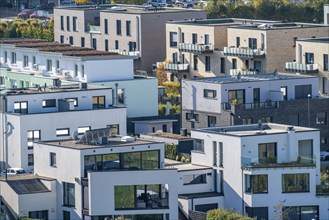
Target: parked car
x=13, y=171
x=43, y=14
x=25, y=14
x=324, y=155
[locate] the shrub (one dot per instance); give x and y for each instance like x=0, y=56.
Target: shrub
x=225, y=214
x=177, y=157
x=170, y=151
x=183, y=159
x=162, y=109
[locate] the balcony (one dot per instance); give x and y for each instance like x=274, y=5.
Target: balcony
x=248, y=162
x=234, y=72
x=322, y=190
x=133, y=54
x=175, y=67
x=243, y=52
x=260, y=105
x=302, y=68
x=93, y=29
x=196, y=48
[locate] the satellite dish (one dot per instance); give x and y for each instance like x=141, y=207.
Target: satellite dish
x=75, y=135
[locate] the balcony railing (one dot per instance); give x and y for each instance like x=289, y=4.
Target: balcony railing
x=135, y=54
x=260, y=105
x=302, y=68
x=175, y=67
x=243, y=52
x=322, y=190
x=93, y=29
x=196, y=48
x=256, y=162
x=235, y=72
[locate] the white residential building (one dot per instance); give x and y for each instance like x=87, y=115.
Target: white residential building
x=115, y=178
x=32, y=63
x=51, y=113
x=261, y=167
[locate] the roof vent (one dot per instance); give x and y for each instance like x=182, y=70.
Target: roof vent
x=128, y=139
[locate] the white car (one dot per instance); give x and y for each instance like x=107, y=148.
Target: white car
x=324, y=155
x=13, y=171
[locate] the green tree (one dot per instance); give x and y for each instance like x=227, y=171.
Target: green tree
x=161, y=74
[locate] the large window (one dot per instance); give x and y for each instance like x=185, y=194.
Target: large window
x=194, y=38
x=49, y=65
x=98, y=102
x=256, y=183
x=236, y=96
x=106, y=26
x=21, y=107
x=140, y=197
x=302, y=91
x=82, y=42
x=39, y=215
x=295, y=182
x=33, y=136
x=68, y=194
x=194, y=179
x=26, y=61
x=195, y=62
x=305, y=151
x=102, y=162
x=192, y=117
x=173, y=39
x=325, y=62
x=13, y=58
x=302, y=212
x=62, y=132
x=199, y=145
x=30, y=159
x=267, y=153
x=208, y=69
x=208, y=93
x=47, y=103
x=321, y=118
x=52, y=157
x=309, y=58
x=121, y=96
x=118, y=27
x=141, y=160
x=222, y=65
x=68, y=23
x=62, y=23
x=128, y=28
x=75, y=28
x=253, y=43
x=211, y=121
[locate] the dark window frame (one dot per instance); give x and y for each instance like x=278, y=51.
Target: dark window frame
x=63, y=129
x=49, y=103
x=20, y=109
x=52, y=159
x=66, y=198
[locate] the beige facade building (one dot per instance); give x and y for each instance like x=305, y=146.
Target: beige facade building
x=312, y=58
x=207, y=48
x=131, y=30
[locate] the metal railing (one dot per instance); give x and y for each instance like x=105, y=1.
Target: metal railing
x=195, y=48
x=243, y=52
x=94, y=29
x=174, y=67
x=303, y=68
x=258, y=105
x=242, y=72
x=126, y=53
x=256, y=162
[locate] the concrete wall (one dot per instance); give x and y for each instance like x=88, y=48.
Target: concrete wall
x=195, y=188
x=102, y=199
x=145, y=128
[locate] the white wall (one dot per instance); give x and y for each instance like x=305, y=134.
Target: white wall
x=141, y=96
x=326, y=14
x=145, y=128
x=101, y=196
x=48, y=123
x=195, y=188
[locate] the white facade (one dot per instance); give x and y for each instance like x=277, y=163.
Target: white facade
x=239, y=156
x=269, y=85
x=66, y=67
x=326, y=14
x=46, y=121
x=151, y=126
x=100, y=197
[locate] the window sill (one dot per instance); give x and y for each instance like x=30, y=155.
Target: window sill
x=54, y=166
x=297, y=192
x=210, y=98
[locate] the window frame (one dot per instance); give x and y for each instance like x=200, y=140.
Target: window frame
x=67, y=133
x=52, y=158
x=21, y=110
x=118, y=27
x=295, y=177
x=33, y=138
x=66, y=198
x=209, y=93
x=52, y=101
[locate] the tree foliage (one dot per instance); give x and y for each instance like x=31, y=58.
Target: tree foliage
x=130, y=2
x=30, y=28
x=225, y=214
x=282, y=10
x=161, y=74
x=82, y=2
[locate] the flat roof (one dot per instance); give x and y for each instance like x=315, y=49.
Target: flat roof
x=250, y=78
x=199, y=195
x=255, y=129
x=278, y=26
x=50, y=89
x=168, y=135
x=128, y=9
x=220, y=22
x=55, y=47
x=112, y=142
x=156, y=121
x=315, y=40
x=180, y=166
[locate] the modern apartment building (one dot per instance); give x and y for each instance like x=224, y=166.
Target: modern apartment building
x=133, y=30
x=105, y=177
x=51, y=113
x=265, y=169
x=34, y=63
x=312, y=58
x=215, y=47
x=246, y=99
